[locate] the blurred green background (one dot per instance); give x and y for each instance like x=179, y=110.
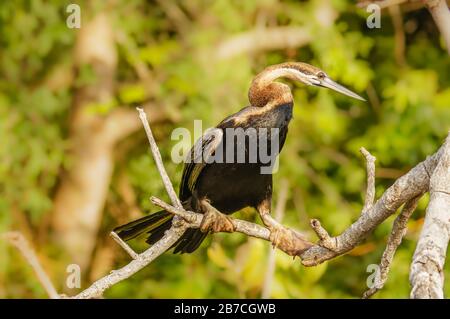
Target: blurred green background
x=74, y=161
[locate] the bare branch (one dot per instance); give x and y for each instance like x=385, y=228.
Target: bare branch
x=370, y=191
x=97, y=288
x=441, y=15
x=426, y=275
x=190, y=219
x=395, y=238
x=325, y=240
x=159, y=163
x=410, y=185
x=19, y=241
x=124, y=245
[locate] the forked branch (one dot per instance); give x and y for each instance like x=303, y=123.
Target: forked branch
x=407, y=187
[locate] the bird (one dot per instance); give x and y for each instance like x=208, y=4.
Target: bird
x=231, y=185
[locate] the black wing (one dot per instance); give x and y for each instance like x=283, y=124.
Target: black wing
x=203, y=148
x=197, y=159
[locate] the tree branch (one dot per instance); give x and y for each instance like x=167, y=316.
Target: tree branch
x=394, y=240
x=410, y=185
x=19, y=241
x=97, y=288
x=195, y=219
x=325, y=240
x=426, y=275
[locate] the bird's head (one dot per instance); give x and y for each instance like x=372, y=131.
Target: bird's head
x=264, y=84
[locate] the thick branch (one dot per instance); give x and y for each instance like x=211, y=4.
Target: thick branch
x=190, y=219
x=195, y=219
x=410, y=185
x=370, y=190
x=426, y=276
x=124, y=245
x=325, y=240
x=97, y=288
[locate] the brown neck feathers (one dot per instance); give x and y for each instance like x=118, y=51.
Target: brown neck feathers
x=264, y=90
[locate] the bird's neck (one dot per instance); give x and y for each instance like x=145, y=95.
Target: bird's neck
x=265, y=92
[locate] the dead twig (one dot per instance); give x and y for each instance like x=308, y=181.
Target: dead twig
x=19, y=241
x=394, y=240
x=331, y=243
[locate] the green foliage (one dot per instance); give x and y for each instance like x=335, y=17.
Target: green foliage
x=405, y=119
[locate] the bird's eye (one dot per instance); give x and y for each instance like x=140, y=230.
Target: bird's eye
x=321, y=75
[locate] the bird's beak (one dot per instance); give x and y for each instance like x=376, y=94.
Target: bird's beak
x=329, y=83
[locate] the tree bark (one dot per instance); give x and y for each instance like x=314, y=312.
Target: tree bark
x=427, y=268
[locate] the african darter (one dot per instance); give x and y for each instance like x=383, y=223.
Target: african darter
x=231, y=185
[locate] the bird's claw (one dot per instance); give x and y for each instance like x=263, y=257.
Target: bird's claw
x=288, y=240
x=215, y=222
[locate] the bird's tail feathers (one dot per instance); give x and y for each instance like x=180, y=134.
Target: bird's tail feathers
x=146, y=224
x=156, y=225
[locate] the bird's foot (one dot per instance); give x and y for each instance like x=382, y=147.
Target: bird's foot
x=288, y=240
x=215, y=221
